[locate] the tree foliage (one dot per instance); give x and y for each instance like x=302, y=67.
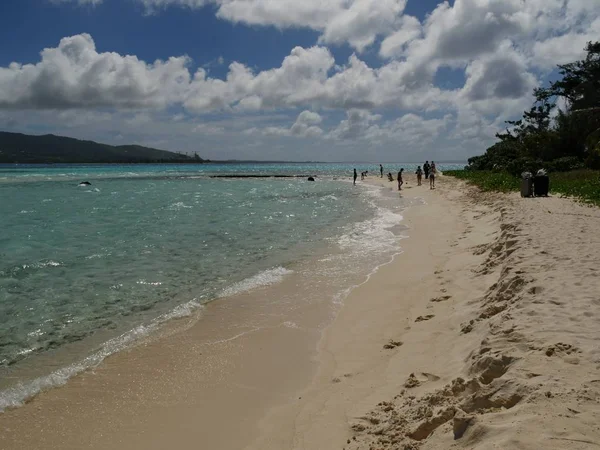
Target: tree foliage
x=550, y=137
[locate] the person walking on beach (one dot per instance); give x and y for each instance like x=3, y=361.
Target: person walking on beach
x=432, y=176
x=419, y=173
x=355, y=176
x=381, y=170
x=426, y=168
x=400, y=180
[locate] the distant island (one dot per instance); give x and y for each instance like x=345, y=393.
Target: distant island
x=17, y=148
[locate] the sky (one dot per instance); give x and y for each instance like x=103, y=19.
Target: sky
x=294, y=80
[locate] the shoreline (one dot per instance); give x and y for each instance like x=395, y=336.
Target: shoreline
x=213, y=347
x=480, y=334
x=496, y=346
x=352, y=358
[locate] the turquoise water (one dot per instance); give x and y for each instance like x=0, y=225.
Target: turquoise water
x=31, y=172
x=144, y=244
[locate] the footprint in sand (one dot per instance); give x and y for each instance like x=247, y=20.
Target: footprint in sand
x=561, y=348
x=424, y=318
x=392, y=344
x=430, y=376
x=414, y=381
x=443, y=298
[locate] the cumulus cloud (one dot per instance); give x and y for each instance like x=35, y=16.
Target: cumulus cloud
x=412, y=129
x=501, y=75
x=466, y=29
x=75, y=75
x=409, y=130
x=565, y=48
x=306, y=78
x=361, y=21
x=313, y=14
x=358, y=123
x=503, y=48
x=306, y=125
x=395, y=43
x=357, y=22
x=301, y=73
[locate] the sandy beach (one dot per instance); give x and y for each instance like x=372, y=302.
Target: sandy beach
x=482, y=334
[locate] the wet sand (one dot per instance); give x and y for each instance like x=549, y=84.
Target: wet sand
x=197, y=384
x=481, y=334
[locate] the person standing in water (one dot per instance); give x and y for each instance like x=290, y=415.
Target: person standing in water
x=400, y=180
x=426, y=168
x=381, y=170
x=419, y=173
x=355, y=176
x=432, y=176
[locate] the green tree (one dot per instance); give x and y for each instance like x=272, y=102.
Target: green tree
x=564, y=142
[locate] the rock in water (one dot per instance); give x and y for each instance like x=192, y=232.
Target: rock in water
x=311, y=179
x=85, y=183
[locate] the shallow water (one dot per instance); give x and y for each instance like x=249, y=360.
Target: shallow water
x=93, y=268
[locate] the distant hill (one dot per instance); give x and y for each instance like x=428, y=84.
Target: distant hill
x=27, y=149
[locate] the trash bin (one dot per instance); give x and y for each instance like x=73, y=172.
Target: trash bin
x=526, y=184
x=541, y=185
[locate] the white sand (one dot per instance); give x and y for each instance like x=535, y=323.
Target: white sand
x=493, y=312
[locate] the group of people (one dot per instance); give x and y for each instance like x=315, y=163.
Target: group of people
x=429, y=170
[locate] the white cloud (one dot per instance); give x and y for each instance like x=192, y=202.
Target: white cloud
x=408, y=130
x=500, y=49
x=313, y=14
x=305, y=126
x=501, y=75
x=303, y=71
x=357, y=22
x=357, y=124
x=565, y=48
x=395, y=43
x=362, y=21
x=75, y=75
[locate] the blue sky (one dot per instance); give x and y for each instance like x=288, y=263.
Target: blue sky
x=380, y=80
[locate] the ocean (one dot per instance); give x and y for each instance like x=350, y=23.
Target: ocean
x=86, y=271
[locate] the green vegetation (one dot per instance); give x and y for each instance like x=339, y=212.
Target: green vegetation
x=487, y=180
x=582, y=184
x=564, y=141
x=550, y=137
x=47, y=149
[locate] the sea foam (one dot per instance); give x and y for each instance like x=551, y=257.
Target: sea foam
x=16, y=395
x=265, y=278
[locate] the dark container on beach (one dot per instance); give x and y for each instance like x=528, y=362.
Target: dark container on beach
x=541, y=185
x=527, y=187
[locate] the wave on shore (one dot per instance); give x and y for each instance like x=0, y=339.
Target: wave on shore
x=17, y=395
